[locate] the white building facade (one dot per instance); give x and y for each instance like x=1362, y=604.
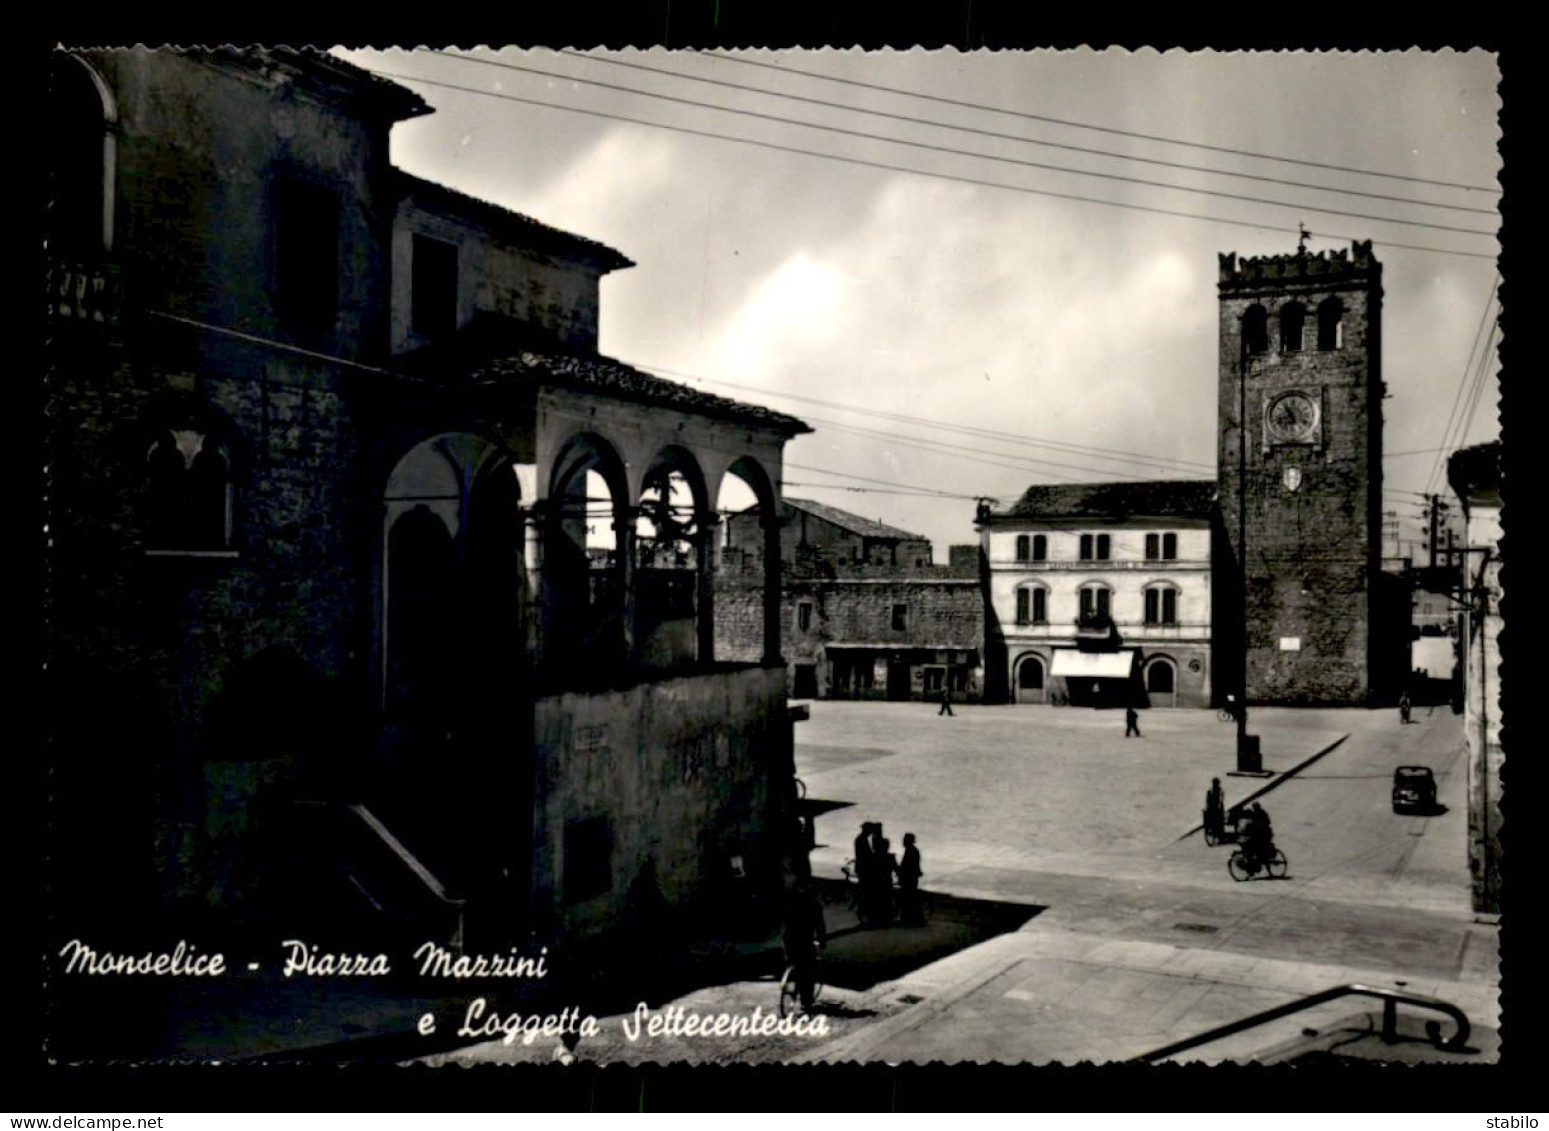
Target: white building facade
x=1475, y=476
x=1100, y=594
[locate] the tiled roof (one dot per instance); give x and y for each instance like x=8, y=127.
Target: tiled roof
x=1151, y=498
x=325, y=68
x=854, y=523
x=615, y=379
x=524, y=229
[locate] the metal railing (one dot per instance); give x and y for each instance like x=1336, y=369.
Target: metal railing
x=1391, y=1000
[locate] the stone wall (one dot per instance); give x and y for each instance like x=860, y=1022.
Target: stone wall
x=549, y=294
x=1311, y=549
x=682, y=771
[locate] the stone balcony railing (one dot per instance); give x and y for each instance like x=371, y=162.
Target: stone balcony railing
x=83, y=293
x=1096, y=566
x=1066, y=629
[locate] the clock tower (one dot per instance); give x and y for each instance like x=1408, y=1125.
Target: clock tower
x=1300, y=410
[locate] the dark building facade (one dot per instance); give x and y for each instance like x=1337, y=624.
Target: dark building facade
x=374, y=593
x=1300, y=472
x=867, y=615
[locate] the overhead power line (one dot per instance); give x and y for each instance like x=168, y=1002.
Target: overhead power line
x=1457, y=398
x=1106, y=129
x=966, y=129
x=950, y=151
x=1258, y=227
x=884, y=482
x=1116, y=454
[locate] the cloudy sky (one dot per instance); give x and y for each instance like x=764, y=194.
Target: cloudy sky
x=1011, y=298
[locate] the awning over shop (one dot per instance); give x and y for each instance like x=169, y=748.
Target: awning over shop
x=1094, y=665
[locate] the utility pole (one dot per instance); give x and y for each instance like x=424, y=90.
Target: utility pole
x=1249, y=758
x=1435, y=512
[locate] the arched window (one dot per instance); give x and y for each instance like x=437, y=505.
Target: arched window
x=1331, y=326
x=82, y=116
x=1293, y=315
x=1161, y=604
x=1096, y=603
x=1161, y=677
x=188, y=489
x=1024, y=547
x=1032, y=605
x=1255, y=329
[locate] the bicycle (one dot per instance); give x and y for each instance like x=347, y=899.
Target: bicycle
x=1058, y=699
x=1226, y=715
x=790, y=992
x=852, y=886
x=1241, y=865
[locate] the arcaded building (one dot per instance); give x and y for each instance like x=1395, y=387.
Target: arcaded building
x=375, y=595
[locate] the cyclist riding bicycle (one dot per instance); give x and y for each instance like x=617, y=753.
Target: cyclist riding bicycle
x=1258, y=838
x=804, y=932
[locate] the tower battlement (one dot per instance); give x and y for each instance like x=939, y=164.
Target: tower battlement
x=1356, y=262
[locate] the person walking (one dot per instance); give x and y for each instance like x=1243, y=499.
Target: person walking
x=1131, y=722
x=946, y=700
x=1404, y=706
x=909, y=873
x=1215, y=809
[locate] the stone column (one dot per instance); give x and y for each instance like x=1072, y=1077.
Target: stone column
x=771, y=526
x=624, y=575
x=704, y=551
x=533, y=519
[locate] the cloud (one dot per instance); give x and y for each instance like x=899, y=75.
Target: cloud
x=800, y=305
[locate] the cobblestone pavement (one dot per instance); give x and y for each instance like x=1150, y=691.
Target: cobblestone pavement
x=1138, y=936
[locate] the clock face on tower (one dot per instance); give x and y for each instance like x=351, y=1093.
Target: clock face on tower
x=1292, y=418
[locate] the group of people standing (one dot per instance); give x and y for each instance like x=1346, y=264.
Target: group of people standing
x=875, y=869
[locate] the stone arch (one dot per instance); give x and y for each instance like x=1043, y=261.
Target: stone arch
x=82, y=137
x=1030, y=678
x=1293, y=321
x=1160, y=677
x=1255, y=330
x=587, y=547
x=1331, y=314
x=766, y=513
x=674, y=543
x=452, y=579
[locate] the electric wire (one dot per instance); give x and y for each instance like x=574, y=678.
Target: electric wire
x=1115, y=454
x=1104, y=129
x=1446, y=436
x=967, y=129
x=998, y=158
x=885, y=166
